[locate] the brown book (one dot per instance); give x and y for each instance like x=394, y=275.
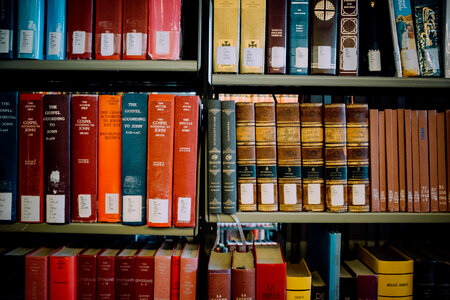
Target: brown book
x=424, y=162
x=335, y=157
x=433, y=162
x=389, y=161
x=447, y=130
x=442, y=176
x=382, y=159
x=243, y=276
x=358, y=157
x=374, y=161
x=415, y=158
x=219, y=275
x=289, y=157
x=409, y=162
x=276, y=36
x=401, y=159
x=266, y=156
x=395, y=159
x=246, y=156
x=312, y=156
x=348, y=38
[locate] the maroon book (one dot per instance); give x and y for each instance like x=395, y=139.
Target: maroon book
x=366, y=280
x=31, y=167
x=108, y=29
x=84, y=157
x=87, y=274
x=37, y=274
x=106, y=274
x=125, y=273
x=276, y=36
x=145, y=262
x=135, y=28
x=80, y=26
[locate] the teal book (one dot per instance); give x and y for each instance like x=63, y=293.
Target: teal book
x=134, y=158
x=229, y=176
x=56, y=30
x=214, y=148
x=30, y=29
x=298, y=37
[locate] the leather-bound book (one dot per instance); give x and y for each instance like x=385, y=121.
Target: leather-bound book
x=108, y=29
x=87, y=273
x=276, y=36
x=246, y=156
x=37, y=272
x=433, y=162
x=401, y=159
x=289, y=157
x=442, y=176
x=80, y=28
x=424, y=162
x=298, y=37
x=349, y=37
x=313, y=171
x=415, y=159
x=229, y=177
x=135, y=28
x=382, y=159
x=219, y=275
x=243, y=276
x=409, y=162
x=214, y=154
x=374, y=161
x=335, y=157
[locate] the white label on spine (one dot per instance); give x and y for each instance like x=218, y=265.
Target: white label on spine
x=278, y=57
x=349, y=58
x=78, y=42
x=132, y=209
x=314, y=193
x=267, y=193
x=158, y=210
x=432, y=58
x=26, y=41
x=111, y=203
x=29, y=209
x=409, y=59
x=226, y=55
x=337, y=195
x=290, y=193
x=162, y=42
x=253, y=57
x=84, y=205
x=55, y=205
x=54, y=43
x=107, y=44
x=359, y=194
x=247, y=193
x=5, y=206
x=374, y=57
x=134, y=43
x=324, y=57
x=301, y=57
x=184, y=209
x=5, y=40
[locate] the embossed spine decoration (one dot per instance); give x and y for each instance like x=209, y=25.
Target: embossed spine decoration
x=214, y=157
x=349, y=38
x=229, y=177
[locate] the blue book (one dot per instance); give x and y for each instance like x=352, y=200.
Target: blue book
x=134, y=158
x=298, y=37
x=6, y=28
x=55, y=48
x=8, y=156
x=30, y=29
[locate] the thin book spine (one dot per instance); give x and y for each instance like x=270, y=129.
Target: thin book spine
x=214, y=141
x=374, y=161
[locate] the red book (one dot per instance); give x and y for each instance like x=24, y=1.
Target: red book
x=432, y=154
x=163, y=267
x=270, y=272
x=185, y=160
x=84, y=157
x=423, y=162
x=135, y=27
x=409, y=162
x=188, y=271
x=87, y=274
x=160, y=159
x=106, y=274
x=415, y=158
x=63, y=274
x=374, y=161
x=243, y=276
x=219, y=275
x=442, y=176
x=80, y=27
x=37, y=274
x=175, y=271
x=125, y=273
x=31, y=165
x=145, y=264
x=164, y=29
x=108, y=29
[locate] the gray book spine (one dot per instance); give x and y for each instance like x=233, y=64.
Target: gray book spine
x=229, y=177
x=214, y=157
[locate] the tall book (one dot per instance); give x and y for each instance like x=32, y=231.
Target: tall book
x=214, y=149
x=289, y=156
x=175, y=271
x=298, y=281
x=409, y=162
x=106, y=273
x=246, y=156
x=63, y=273
x=229, y=176
x=276, y=36
x=145, y=265
x=80, y=28
x=366, y=280
x=226, y=36
x=108, y=29
x=298, y=37
x=371, y=37
x=382, y=159
x=135, y=27
x=134, y=158
x=55, y=48
x=84, y=126
x=424, y=162
x=253, y=36
x=163, y=267
x=395, y=159
x=415, y=159
x=87, y=273
x=31, y=164
x=57, y=179
x=37, y=271
x=270, y=272
x=335, y=157
x=185, y=160
x=7, y=30
x=401, y=159
x=219, y=275
x=8, y=156
x=243, y=276
x=125, y=272
x=30, y=29
x=442, y=176
x=13, y=262
x=349, y=37
x=164, y=29
x=266, y=156
x=395, y=40
x=313, y=171
x=323, y=30
x=432, y=159
x=390, y=161
x=160, y=159
x=188, y=271
x=446, y=39
x=447, y=147
x=374, y=161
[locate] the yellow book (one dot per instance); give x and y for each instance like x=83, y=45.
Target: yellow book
x=298, y=281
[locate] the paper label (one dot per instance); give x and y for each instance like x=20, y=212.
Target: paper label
x=253, y=57
x=5, y=206
x=267, y=193
x=54, y=43
x=26, y=41
x=247, y=193
x=55, y=205
x=158, y=210
x=29, y=208
x=278, y=57
x=324, y=57
x=349, y=59
x=301, y=57
x=410, y=61
x=184, y=209
x=134, y=43
x=374, y=57
x=337, y=195
x=111, y=203
x=162, y=42
x=314, y=193
x=226, y=55
x=359, y=194
x=432, y=59
x=78, y=42
x=132, y=208
x=107, y=44
x=84, y=205
x=5, y=40
x=290, y=193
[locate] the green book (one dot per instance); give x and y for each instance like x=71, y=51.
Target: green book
x=214, y=157
x=229, y=177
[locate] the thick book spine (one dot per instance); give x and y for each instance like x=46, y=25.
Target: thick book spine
x=108, y=29
x=289, y=154
x=8, y=156
x=163, y=276
x=389, y=161
x=125, y=275
x=188, y=274
x=109, y=157
x=31, y=165
x=313, y=171
x=175, y=276
x=185, y=160
x=298, y=37
x=219, y=284
x=395, y=159
x=382, y=159
x=266, y=156
x=63, y=277
x=86, y=276
x=433, y=163
x=442, y=176
x=335, y=157
x=80, y=28
x=349, y=37
x=160, y=159
x=134, y=158
x=358, y=188
x=447, y=131
x=84, y=124
x=323, y=36
x=276, y=36
x=57, y=179
x=415, y=159
x=106, y=276
x=135, y=27
x=144, y=277
x=30, y=29
x=246, y=156
x=370, y=49
x=36, y=277
x=424, y=162
x=214, y=156
x=56, y=30
x=374, y=161
x=409, y=162
x=401, y=159
x=7, y=30
x=395, y=40
x=243, y=284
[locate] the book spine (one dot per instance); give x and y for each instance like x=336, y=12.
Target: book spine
x=80, y=28
x=276, y=36
x=214, y=156
x=374, y=161
x=243, y=284
x=30, y=39
x=416, y=158
x=366, y=286
x=335, y=157
x=447, y=131
x=433, y=163
x=7, y=21
x=135, y=27
x=36, y=277
x=313, y=171
x=382, y=159
x=271, y=286
x=395, y=40
x=442, y=176
x=134, y=158
x=185, y=160
x=108, y=29
x=446, y=39
x=349, y=38
x=424, y=162
x=395, y=159
x=266, y=156
x=31, y=167
x=125, y=277
x=84, y=124
x=298, y=37
x=63, y=277
x=401, y=159
x=229, y=177
x=56, y=30
x=389, y=161
x=409, y=162
x=8, y=156
x=358, y=188
x=163, y=277
x=188, y=278
x=246, y=156
x=253, y=35
x=371, y=46
x=56, y=126
x=219, y=284
x=175, y=279
x=106, y=274
x=144, y=277
x=86, y=277
x=289, y=156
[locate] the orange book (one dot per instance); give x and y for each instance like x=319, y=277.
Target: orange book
x=432, y=154
x=382, y=159
x=409, y=162
x=395, y=160
x=442, y=176
x=424, y=177
x=415, y=159
x=188, y=271
x=109, y=157
x=390, y=185
x=160, y=159
x=401, y=159
x=163, y=268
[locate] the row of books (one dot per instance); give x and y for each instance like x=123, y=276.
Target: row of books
x=73, y=29
x=130, y=157
x=150, y=271
x=326, y=37
x=269, y=156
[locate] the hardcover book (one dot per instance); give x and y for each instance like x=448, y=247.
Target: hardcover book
x=349, y=37
x=163, y=267
x=395, y=160
x=108, y=29
x=125, y=272
x=144, y=278
x=298, y=37
x=319, y=290
x=374, y=161
x=415, y=159
x=447, y=130
x=135, y=27
x=175, y=272
x=298, y=281
x=270, y=272
x=433, y=163
x=401, y=159
x=424, y=162
x=30, y=29
x=63, y=274
x=442, y=176
x=37, y=273
x=106, y=273
x=446, y=39
x=395, y=40
x=87, y=273
x=409, y=162
x=56, y=30
x=219, y=275
x=7, y=30
x=276, y=36
x=13, y=276
x=382, y=159
x=229, y=177
x=214, y=141
x=347, y=284
x=390, y=160
x=243, y=276
x=371, y=37
x=80, y=28
x=366, y=280
x=188, y=271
